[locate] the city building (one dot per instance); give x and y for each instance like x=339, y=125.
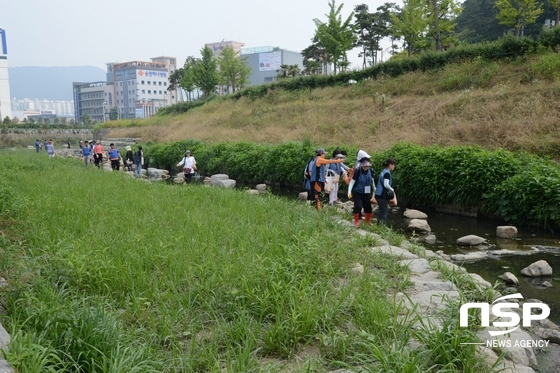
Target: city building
x=5, y=100
x=265, y=62
x=218, y=47
x=95, y=99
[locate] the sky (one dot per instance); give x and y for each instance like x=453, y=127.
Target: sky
x=94, y=32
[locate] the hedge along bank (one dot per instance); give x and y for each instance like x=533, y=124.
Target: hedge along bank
x=517, y=187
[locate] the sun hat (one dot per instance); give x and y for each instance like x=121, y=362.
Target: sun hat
x=365, y=163
x=320, y=151
x=128, y=148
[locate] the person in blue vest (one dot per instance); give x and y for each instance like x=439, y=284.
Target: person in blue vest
x=86, y=153
x=360, y=191
x=317, y=169
x=114, y=156
x=384, y=191
x=37, y=146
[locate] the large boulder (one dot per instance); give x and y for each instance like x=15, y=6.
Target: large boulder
x=215, y=179
x=156, y=174
x=470, y=240
x=414, y=214
x=510, y=278
x=419, y=225
x=506, y=231
x=229, y=183
x=539, y=268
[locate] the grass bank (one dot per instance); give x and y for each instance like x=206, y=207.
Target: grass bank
x=508, y=103
x=111, y=274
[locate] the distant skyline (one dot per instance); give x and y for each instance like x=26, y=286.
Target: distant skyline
x=94, y=32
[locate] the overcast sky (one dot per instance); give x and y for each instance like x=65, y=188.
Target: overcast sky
x=93, y=32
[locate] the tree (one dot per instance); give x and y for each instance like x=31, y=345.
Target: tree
x=205, y=74
x=336, y=36
x=234, y=72
x=518, y=13
x=86, y=119
x=315, y=59
x=556, y=5
x=7, y=120
x=441, y=17
x=370, y=29
x=114, y=112
x=410, y=23
x=288, y=71
x=187, y=83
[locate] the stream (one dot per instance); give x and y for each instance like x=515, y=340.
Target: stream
x=448, y=228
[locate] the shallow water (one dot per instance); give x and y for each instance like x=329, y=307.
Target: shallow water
x=448, y=228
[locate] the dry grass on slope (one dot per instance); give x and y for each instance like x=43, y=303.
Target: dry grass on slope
x=474, y=103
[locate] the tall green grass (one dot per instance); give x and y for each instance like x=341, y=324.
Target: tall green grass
x=112, y=274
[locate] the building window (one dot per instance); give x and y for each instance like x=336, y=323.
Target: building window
x=159, y=83
x=143, y=91
x=149, y=82
x=165, y=83
x=142, y=82
x=154, y=83
x=160, y=92
x=149, y=91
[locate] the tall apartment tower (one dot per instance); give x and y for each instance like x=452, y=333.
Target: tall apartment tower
x=5, y=100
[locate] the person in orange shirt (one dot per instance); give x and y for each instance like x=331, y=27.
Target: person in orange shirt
x=317, y=173
x=98, y=154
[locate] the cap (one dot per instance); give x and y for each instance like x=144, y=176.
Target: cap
x=187, y=151
x=340, y=156
x=320, y=151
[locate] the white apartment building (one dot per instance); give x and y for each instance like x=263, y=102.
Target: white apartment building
x=5, y=100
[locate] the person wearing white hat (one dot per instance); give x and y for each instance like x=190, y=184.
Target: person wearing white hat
x=360, y=191
x=189, y=166
x=128, y=159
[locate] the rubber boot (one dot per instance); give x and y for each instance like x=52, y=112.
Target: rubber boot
x=356, y=220
x=368, y=218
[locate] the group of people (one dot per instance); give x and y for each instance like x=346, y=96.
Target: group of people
x=93, y=150
x=49, y=147
x=362, y=189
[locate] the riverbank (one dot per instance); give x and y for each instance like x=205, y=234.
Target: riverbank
x=109, y=272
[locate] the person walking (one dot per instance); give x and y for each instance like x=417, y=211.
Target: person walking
x=37, y=146
x=189, y=166
x=50, y=149
x=128, y=159
x=45, y=143
x=317, y=173
x=114, y=156
x=68, y=142
x=384, y=191
x=138, y=162
x=86, y=154
x=360, y=191
x=98, y=154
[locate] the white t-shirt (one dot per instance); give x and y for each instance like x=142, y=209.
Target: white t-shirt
x=188, y=162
